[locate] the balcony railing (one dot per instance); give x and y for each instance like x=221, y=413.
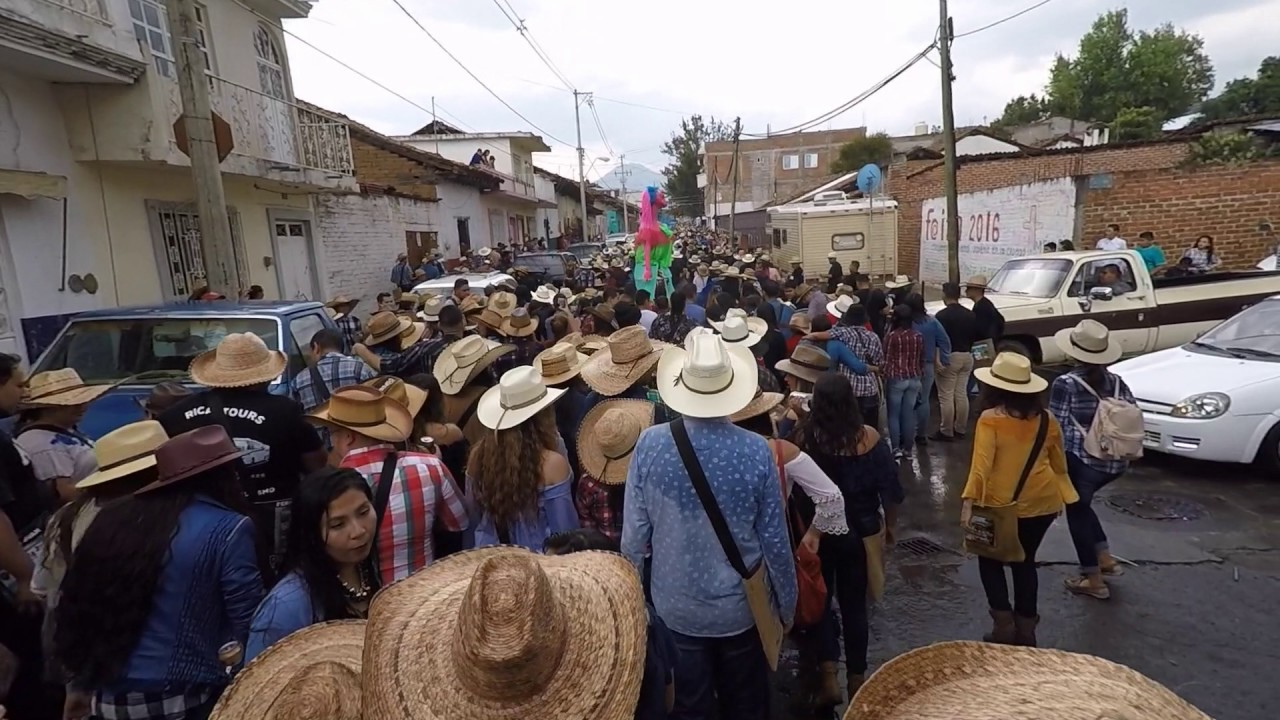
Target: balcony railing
x=281, y=132
x=96, y=9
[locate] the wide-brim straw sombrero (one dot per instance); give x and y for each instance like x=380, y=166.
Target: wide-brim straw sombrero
x=502, y=633
x=592, y=344
x=762, y=403
x=609, y=465
x=239, y=360
x=61, y=388
x=985, y=681
x=311, y=674
x=453, y=374
x=627, y=357
x=559, y=364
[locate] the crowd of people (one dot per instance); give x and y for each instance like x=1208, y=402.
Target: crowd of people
x=1201, y=257
x=582, y=502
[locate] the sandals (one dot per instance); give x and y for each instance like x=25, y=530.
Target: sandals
x=1115, y=570
x=1080, y=586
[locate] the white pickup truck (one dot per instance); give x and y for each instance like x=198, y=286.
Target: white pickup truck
x=1042, y=294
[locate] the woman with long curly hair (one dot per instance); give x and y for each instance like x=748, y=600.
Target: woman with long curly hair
x=328, y=565
x=858, y=460
x=517, y=477
x=159, y=582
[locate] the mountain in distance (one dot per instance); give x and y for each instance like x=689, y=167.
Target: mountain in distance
x=640, y=178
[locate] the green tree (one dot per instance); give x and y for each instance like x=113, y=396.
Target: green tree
x=875, y=148
x=1022, y=110
x=1140, y=123
x=1115, y=68
x=685, y=150
x=1248, y=96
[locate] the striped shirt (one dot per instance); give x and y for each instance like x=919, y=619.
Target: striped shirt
x=423, y=492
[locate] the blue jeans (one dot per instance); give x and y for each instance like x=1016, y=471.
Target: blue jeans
x=922, y=402
x=721, y=677
x=1086, y=530
x=902, y=394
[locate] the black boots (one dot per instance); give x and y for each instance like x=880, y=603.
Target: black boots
x=1003, y=629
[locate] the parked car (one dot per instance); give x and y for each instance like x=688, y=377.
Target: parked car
x=582, y=251
x=141, y=347
x=619, y=239
x=1042, y=294
x=443, y=285
x=1217, y=397
x=552, y=266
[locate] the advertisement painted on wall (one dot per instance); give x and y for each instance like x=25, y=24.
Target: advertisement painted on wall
x=996, y=225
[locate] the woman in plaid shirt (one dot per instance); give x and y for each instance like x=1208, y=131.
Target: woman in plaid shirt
x=903, y=367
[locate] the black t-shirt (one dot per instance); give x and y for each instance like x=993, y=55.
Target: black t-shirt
x=961, y=326
x=23, y=500
x=270, y=429
x=990, y=321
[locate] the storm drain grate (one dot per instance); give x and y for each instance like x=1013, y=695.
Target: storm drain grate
x=1155, y=507
x=921, y=546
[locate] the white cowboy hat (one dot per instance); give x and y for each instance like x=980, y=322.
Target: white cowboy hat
x=517, y=397
x=240, y=360
x=1089, y=342
x=734, y=331
x=708, y=380
x=124, y=451
x=898, y=281
x=732, y=272
x=484, y=252
x=430, y=311
x=1011, y=371
x=748, y=258
x=462, y=361
x=841, y=305
x=831, y=255
x=544, y=295
x=977, y=281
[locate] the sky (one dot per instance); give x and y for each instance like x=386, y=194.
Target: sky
x=722, y=58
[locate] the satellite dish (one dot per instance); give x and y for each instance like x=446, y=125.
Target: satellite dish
x=869, y=178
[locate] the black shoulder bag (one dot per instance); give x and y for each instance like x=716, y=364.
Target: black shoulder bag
x=382, y=496
x=754, y=580
x=317, y=379
x=991, y=531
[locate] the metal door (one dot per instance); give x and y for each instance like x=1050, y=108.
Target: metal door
x=293, y=259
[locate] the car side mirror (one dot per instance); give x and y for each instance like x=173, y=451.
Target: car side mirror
x=1086, y=305
x=1104, y=294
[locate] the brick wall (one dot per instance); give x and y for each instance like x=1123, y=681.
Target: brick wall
x=761, y=176
x=359, y=237
x=913, y=182
x=378, y=166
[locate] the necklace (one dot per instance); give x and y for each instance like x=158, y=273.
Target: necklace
x=356, y=594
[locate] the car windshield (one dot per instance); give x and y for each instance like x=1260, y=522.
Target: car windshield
x=1254, y=332
x=146, y=350
x=1034, y=277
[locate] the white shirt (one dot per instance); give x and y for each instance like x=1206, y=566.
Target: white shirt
x=1114, y=243
x=647, y=317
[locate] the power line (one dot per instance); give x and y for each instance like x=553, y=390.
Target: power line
x=1018, y=14
x=646, y=107
x=600, y=127
x=475, y=77
x=518, y=22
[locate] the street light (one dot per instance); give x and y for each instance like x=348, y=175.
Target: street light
x=601, y=158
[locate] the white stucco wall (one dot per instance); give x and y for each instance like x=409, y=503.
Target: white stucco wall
x=460, y=201
x=115, y=33
x=358, y=237
x=462, y=149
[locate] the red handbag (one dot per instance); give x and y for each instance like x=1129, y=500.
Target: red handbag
x=811, y=598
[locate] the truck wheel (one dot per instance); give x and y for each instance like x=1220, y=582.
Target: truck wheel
x=1268, y=458
x=1015, y=346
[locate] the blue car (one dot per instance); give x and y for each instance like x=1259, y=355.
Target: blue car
x=137, y=348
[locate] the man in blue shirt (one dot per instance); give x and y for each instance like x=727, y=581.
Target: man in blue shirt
x=692, y=310
x=695, y=589
x=402, y=274
x=937, y=352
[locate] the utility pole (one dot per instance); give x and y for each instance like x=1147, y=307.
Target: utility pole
x=623, y=174
x=197, y=116
x=582, y=158
x=733, y=165
x=952, y=224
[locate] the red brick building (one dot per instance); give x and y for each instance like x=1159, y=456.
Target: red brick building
x=772, y=168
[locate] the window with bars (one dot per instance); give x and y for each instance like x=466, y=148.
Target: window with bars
x=151, y=27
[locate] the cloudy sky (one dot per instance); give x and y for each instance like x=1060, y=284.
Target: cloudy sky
x=774, y=64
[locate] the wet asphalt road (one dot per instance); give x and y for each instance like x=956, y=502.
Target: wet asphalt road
x=1197, y=613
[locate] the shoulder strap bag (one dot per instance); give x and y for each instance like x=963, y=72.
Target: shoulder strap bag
x=991, y=531
x=381, y=497
x=811, y=597
x=317, y=379
x=755, y=579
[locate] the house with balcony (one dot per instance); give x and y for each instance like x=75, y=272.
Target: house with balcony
x=512, y=209
x=97, y=205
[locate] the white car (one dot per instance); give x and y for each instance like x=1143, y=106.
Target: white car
x=1216, y=398
x=443, y=285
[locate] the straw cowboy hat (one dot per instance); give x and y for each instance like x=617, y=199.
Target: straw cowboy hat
x=749, y=273
x=1012, y=372
x=735, y=331
x=799, y=323
x=762, y=403
x=125, y=451
x=898, y=281
x=471, y=303
x=592, y=344
x=807, y=362
x=704, y=270
x=384, y=326
x=627, y=358
x=411, y=397
x=841, y=305
x=797, y=261
x=544, y=295
x=484, y=252
x=409, y=299
x=191, y=453
x=748, y=258
x=431, y=309
x=519, y=324
x=801, y=292
x=754, y=324
x=413, y=333
x=503, y=303
x=491, y=319
x=365, y=410
x=341, y=300
x=502, y=632
x=559, y=363
x=313, y=672
x=462, y=361
x=608, y=435
x=710, y=379
x=240, y=360
x=518, y=396
x=717, y=266
x=732, y=272
x=61, y=388
x=984, y=680
x=977, y=281
x=604, y=313
x=574, y=338
x=1089, y=342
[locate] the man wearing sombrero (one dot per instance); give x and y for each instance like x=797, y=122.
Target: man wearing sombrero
x=278, y=445
x=348, y=323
